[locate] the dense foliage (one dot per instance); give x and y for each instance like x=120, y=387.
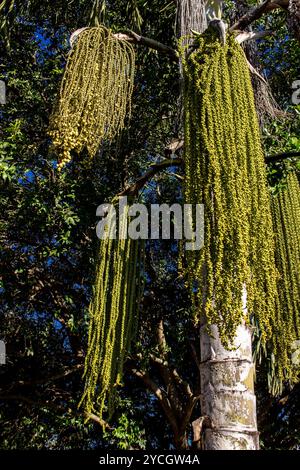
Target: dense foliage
x=48, y=241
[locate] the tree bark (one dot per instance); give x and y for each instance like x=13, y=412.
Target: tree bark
x=227, y=385
x=294, y=18
x=190, y=16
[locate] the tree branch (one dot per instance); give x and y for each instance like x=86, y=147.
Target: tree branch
x=154, y=169
x=189, y=410
x=160, y=395
x=67, y=371
x=165, y=370
x=31, y=402
x=255, y=72
x=150, y=384
x=173, y=372
x=257, y=12
x=97, y=420
x=252, y=35
x=281, y=156
x=54, y=406
x=157, y=167
x=135, y=38
x=251, y=16
x=131, y=36
x=183, y=384
x=171, y=391
x=161, y=339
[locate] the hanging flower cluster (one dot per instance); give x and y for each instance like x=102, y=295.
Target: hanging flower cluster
x=225, y=171
x=113, y=318
x=95, y=94
x=286, y=217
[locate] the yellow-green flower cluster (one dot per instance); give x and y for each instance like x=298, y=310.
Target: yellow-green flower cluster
x=225, y=171
x=113, y=319
x=286, y=217
x=95, y=94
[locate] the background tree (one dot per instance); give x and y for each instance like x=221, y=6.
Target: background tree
x=48, y=243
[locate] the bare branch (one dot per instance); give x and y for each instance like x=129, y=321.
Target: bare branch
x=183, y=384
x=255, y=72
x=161, y=396
x=174, y=147
x=158, y=361
x=51, y=405
x=97, y=420
x=157, y=167
x=154, y=169
x=162, y=344
x=165, y=370
x=279, y=4
x=282, y=156
x=257, y=12
x=151, y=43
x=150, y=384
x=173, y=372
x=135, y=38
x=64, y=373
x=252, y=35
x=188, y=413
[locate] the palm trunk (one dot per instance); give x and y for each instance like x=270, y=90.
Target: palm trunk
x=227, y=386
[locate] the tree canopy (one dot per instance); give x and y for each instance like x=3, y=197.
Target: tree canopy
x=48, y=240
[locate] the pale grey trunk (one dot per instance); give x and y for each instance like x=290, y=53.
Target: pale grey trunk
x=227, y=390
x=227, y=377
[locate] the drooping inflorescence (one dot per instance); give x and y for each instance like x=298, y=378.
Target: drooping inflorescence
x=225, y=171
x=286, y=218
x=113, y=317
x=95, y=93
